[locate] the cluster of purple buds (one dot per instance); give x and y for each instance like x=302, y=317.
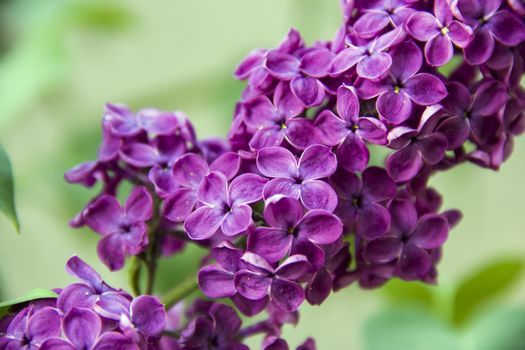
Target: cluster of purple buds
x=290, y=206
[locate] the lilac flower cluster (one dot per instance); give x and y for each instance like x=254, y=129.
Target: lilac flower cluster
x=290, y=206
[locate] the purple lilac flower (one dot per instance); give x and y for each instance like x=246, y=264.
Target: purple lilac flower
x=274, y=122
x=409, y=240
x=414, y=147
x=224, y=206
x=489, y=25
x=381, y=13
x=439, y=32
x=370, y=58
x=259, y=280
x=124, y=229
x=300, y=179
x=288, y=226
x=359, y=200
x=350, y=131
x=404, y=85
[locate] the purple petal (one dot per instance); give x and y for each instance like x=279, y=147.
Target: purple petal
x=139, y=206
x=404, y=217
x=287, y=187
x=431, y=232
x=481, y=47
x=423, y=26
x=281, y=65
x=320, y=227
x=271, y=136
x=433, y=148
x=389, y=39
x=373, y=221
x=439, y=50
x=82, y=327
x=189, y=170
x=406, y=61
x=378, y=185
x=383, y=250
x=43, y=324
x=227, y=323
x=148, y=315
x=286, y=102
x=370, y=23
x=104, y=215
x=347, y=104
x=460, y=34
x=121, y=120
x=180, y=204
x=332, y=129
x=256, y=263
x=353, y=154
x=286, y=295
x=213, y=189
x=345, y=183
x=228, y=163
x=271, y=244
x=301, y=133
x=249, y=307
x=317, y=162
x=489, y=98
x=414, y=263
x=247, y=188
x=162, y=179
x=508, y=28
x=371, y=130
x=111, y=251
x=319, y=288
x=294, y=268
x=227, y=256
x=52, y=344
x=316, y=194
x=260, y=111
x=310, y=91
x=113, y=340
x=425, y=89
x=249, y=63
x=316, y=63
x=345, y=60
x=216, y=283
x=76, y=295
x=374, y=66
x=203, y=222
x=78, y=268
x=276, y=162
x=456, y=130
x=404, y=164
x=140, y=155
x=237, y=220
x=251, y=285
x=394, y=106
x=283, y=212
x=157, y=122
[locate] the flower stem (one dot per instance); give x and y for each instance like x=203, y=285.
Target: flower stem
x=134, y=275
x=180, y=292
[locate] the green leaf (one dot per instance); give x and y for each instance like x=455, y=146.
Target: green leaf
x=501, y=329
x=408, y=329
x=398, y=291
x=483, y=286
x=35, y=294
x=7, y=192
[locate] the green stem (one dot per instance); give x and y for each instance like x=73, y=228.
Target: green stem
x=134, y=275
x=180, y=292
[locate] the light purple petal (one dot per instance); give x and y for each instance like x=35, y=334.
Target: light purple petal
x=332, y=129
x=139, y=205
x=148, y=315
x=271, y=136
x=189, y=170
x=104, y=216
x=113, y=340
x=286, y=102
x=508, y=28
x=203, y=222
x=282, y=65
x=370, y=23
x=213, y=189
x=301, y=133
x=345, y=60
x=251, y=285
x=139, y=154
x=246, y=188
x=237, y=220
x=276, y=162
x=347, y=103
x=317, y=194
x=214, y=282
x=111, y=251
x=406, y=61
x=286, y=295
x=320, y=227
x=353, y=154
x=76, y=295
x=157, y=122
x=372, y=130
x=78, y=268
x=271, y=244
x=374, y=66
x=43, y=324
x=52, y=344
x=82, y=327
x=310, y=91
x=180, y=204
x=282, y=212
x=389, y=39
x=294, y=268
x=287, y=187
x=259, y=112
x=439, y=50
x=228, y=163
x=316, y=63
x=425, y=89
x=317, y=162
x=460, y=34
x=423, y=26
x=394, y=106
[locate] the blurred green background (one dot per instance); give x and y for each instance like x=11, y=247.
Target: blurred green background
x=61, y=60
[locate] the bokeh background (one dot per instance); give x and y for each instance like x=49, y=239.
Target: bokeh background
x=61, y=60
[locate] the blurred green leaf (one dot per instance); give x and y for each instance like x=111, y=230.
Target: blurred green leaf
x=498, y=330
x=399, y=291
x=7, y=191
x=35, y=294
x=408, y=329
x=98, y=15
x=484, y=285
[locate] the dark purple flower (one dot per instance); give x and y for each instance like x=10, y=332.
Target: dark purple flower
x=274, y=122
x=30, y=327
x=409, y=240
x=381, y=13
x=350, y=131
x=124, y=229
x=224, y=206
x=440, y=32
x=287, y=224
x=371, y=59
x=488, y=24
x=216, y=330
x=300, y=179
x=359, y=200
x=404, y=85
x=416, y=146
x=260, y=280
